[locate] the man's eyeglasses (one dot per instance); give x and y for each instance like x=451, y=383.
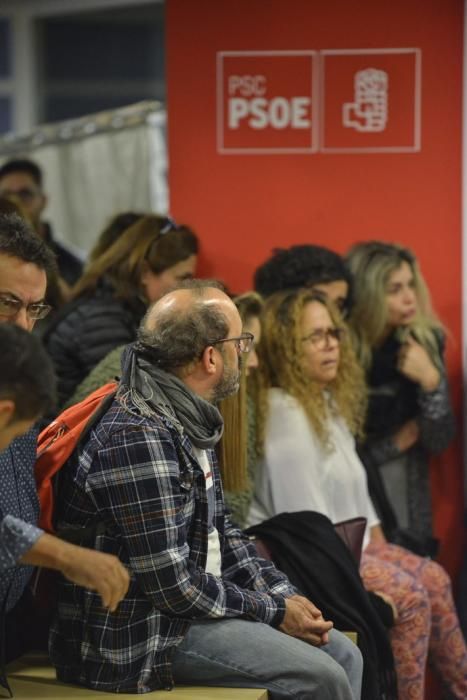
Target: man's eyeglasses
x=320, y=338
x=10, y=307
x=243, y=343
x=24, y=195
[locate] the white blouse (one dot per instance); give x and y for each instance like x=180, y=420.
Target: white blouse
x=299, y=473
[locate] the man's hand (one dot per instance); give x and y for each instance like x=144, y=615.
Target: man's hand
x=99, y=572
x=304, y=621
x=96, y=571
x=415, y=363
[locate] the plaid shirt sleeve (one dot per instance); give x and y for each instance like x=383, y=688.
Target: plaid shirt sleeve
x=243, y=565
x=139, y=485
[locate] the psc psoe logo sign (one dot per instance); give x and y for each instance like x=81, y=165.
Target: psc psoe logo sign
x=331, y=101
x=265, y=102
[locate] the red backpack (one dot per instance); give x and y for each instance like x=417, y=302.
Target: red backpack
x=58, y=440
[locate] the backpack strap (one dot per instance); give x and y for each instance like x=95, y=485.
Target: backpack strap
x=85, y=536
x=95, y=418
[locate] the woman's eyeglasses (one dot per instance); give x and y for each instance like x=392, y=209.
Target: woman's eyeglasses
x=321, y=337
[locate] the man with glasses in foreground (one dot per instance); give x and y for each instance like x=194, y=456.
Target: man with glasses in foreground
x=202, y=608
x=25, y=262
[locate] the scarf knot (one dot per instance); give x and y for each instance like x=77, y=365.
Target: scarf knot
x=155, y=391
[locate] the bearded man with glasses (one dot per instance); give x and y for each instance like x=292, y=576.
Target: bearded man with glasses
x=202, y=607
x=25, y=264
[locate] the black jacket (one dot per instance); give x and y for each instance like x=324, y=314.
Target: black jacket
x=305, y=546
x=69, y=266
x=85, y=331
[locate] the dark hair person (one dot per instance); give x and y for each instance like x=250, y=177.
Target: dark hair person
x=147, y=260
x=22, y=179
x=56, y=291
x=310, y=266
x=27, y=382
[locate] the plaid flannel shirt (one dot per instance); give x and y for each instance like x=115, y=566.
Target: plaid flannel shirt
x=140, y=477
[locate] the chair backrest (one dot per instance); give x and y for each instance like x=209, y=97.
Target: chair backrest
x=350, y=531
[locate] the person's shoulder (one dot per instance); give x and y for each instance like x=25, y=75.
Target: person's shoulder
x=124, y=416
x=96, y=306
x=22, y=451
x=280, y=399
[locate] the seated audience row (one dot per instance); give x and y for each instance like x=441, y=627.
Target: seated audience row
x=410, y=416
x=149, y=466
x=314, y=399
x=201, y=601
x=188, y=357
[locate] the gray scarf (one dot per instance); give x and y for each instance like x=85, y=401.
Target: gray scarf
x=164, y=393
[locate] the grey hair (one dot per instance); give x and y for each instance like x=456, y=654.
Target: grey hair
x=180, y=337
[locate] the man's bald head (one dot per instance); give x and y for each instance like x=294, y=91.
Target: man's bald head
x=178, y=327
x=185, y=300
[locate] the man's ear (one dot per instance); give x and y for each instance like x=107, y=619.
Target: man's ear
x=210, y=359
x=7, y=410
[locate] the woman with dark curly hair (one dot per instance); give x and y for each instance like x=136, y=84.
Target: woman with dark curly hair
x=310, y=266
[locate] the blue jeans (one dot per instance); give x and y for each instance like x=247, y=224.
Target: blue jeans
x=243, y=654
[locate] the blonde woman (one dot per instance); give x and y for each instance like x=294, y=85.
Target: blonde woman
x=400, y=343
x=110, y=299
x=313, y=399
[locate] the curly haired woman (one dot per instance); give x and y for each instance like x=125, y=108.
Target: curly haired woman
x=312, y=402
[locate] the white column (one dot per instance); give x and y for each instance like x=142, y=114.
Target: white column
x=24, y=62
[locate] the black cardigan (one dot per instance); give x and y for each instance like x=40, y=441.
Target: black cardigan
x=86, y=330
x=305, y=546
x=393, y=400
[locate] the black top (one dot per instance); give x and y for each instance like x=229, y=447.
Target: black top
x=69, y=266
x=86, y=330
x=393, y=400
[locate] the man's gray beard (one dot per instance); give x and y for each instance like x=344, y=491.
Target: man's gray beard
x=228, y=385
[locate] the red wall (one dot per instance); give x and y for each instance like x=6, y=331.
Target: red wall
x=243, y=205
